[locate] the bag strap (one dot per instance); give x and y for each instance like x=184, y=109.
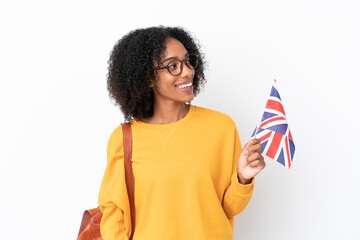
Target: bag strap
x=129, y=175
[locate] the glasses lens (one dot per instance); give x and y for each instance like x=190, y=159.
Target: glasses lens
x=174, y=67
x=192, y=61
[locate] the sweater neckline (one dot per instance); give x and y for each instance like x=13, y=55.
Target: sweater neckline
x=166, y=125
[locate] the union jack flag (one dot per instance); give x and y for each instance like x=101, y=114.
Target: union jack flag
x=274, y=133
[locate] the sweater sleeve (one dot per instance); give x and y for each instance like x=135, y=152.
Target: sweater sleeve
x=113, y=199
x=237, y=195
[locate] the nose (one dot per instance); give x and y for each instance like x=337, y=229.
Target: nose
x=186, y=71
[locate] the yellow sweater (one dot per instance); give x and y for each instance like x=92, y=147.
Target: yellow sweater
x=186, y=185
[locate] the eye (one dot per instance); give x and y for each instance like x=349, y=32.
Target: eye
x=171, y=66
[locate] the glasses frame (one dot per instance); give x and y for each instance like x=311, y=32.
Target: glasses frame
x=181, y=64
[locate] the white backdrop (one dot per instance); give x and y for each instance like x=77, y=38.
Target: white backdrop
x=56, y=117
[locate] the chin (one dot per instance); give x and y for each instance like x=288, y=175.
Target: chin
x=189, y=99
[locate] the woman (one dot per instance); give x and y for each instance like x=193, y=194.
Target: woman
x=191, y=175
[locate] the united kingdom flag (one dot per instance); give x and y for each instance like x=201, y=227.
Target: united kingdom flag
x=273, y=131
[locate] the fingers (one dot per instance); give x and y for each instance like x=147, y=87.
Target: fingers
x=251, y=143
x=252, y=150
x=256, y=160
x=258, y=163
x=254, y=156
x=247, y=145
x=255, y=148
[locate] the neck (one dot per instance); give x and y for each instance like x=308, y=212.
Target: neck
x=165, y=113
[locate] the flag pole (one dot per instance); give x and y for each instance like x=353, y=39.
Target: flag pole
x=257, y=129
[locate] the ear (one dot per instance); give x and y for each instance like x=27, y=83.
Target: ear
x=153, y=79
x=152, y=83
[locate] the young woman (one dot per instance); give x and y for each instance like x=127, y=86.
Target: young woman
x=191, y=175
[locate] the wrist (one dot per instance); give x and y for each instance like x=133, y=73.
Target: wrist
x=243, y=180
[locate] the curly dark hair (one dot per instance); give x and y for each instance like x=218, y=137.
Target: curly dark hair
x=131, y=66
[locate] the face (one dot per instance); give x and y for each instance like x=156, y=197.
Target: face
x=169, y=88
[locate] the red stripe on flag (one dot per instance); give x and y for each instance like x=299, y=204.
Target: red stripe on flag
x=287, y=151
x=271, y=120
x=265, y=137
x=290, y=136
x=274, y=145
x=275, y=105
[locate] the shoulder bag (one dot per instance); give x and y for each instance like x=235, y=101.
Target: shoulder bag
x=90, y=224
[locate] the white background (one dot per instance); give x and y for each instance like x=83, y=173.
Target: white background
x=56, y=116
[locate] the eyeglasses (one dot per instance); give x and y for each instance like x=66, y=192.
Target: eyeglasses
x=175, y=66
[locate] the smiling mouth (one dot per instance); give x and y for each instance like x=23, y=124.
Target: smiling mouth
x=184, y=85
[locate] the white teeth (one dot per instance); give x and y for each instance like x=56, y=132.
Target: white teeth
x=184, y=85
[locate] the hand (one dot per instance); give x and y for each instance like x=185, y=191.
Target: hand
x=251, y=162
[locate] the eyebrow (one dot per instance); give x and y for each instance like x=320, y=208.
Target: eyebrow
x=171, y=58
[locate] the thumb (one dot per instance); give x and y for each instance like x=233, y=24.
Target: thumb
x=247, y=145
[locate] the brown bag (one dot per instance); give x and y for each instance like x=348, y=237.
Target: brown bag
x=90, y=224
